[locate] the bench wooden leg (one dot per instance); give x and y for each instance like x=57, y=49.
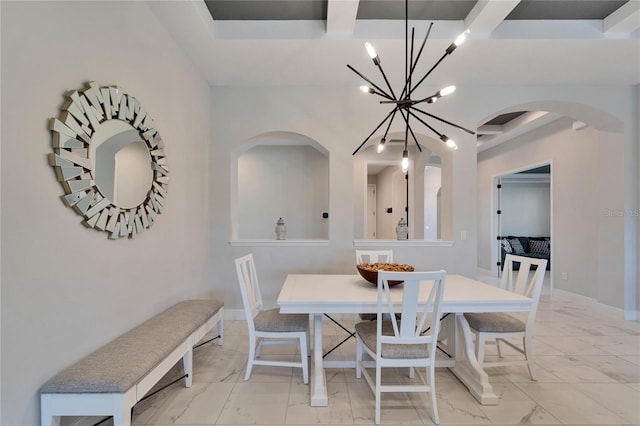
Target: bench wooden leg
x=220, y=331
x=187, y=362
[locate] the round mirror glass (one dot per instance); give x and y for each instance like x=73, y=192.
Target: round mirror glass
x=122, y=163
x=110, y=160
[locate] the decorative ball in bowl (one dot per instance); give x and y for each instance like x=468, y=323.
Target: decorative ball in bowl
x=369, y=271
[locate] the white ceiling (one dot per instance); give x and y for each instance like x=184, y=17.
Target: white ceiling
x=499, y=51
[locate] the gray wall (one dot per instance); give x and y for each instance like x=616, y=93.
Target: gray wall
x=66, y=289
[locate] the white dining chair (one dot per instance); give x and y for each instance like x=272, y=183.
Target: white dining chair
x=373, y=256
x=403, y=343
x=496, y=327
x=269, y=326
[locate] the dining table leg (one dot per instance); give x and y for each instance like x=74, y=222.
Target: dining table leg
x=318, y=383
x=467, y=368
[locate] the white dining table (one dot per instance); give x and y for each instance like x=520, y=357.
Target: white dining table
x=319, y=294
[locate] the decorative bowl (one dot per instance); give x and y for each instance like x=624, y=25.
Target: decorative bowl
x=369, y=271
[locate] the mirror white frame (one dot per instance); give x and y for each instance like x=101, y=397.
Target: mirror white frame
x=80, y=117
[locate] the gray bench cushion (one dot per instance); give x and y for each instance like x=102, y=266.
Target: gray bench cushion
x=120, y=364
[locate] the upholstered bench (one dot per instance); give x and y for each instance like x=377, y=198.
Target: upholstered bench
x=113, y=378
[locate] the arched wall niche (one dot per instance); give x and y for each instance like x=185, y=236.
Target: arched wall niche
x=279, y=174
x=392, y=154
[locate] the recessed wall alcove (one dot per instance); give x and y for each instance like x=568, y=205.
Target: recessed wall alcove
x=280, y=175
x=434, y=155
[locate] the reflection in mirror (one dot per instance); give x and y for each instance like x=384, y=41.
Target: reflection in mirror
x=427, y=192
x=110, y=160
x=122, y=164
x=432, y=192
x=386, y=199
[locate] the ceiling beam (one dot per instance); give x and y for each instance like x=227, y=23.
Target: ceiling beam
x=625, y=19
x=486, y=15
x=341, y=16
x=525, y=123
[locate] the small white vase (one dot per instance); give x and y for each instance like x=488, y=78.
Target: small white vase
x=281, y=229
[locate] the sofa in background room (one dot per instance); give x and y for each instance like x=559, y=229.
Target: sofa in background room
x=538, y=247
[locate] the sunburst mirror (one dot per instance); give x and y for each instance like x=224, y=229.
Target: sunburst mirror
x=110, y=160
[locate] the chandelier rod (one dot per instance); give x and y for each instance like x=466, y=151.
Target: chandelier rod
x=445, y=121
x=426, y=124
x=415, y=139
x=374, y=130
x=415, y=63
x=382, y=92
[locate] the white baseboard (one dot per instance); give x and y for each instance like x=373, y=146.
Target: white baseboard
x=611, y=310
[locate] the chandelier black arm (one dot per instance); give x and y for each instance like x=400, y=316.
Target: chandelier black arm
x=382, y=92
x=426, y=124
x=445, y=121
x=427, y=74
x=412, y=134
x=408, y=82
x=415, y=63
x=386, y=80
x=374, y=130
x=393, y=115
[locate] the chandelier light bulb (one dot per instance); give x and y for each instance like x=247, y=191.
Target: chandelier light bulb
x=381, y=145
x=461, y=38
x=366, y=89
x=405, y=161
x=447, y=90
x=370, y=50
x=449, y=142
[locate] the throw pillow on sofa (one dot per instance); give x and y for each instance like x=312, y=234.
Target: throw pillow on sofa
x=539, y=246
x=517, y=246
x=506, y=246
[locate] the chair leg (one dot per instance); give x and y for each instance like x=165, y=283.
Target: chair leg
x=498, y=347
x=526, y=342
x=252, y=352
x=431, y=381
x=412, y=373
x=377, y=391
x=308, y=344
x=304, y=345
x=359, y=353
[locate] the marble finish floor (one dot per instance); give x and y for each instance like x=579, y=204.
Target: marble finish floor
x=587, y=360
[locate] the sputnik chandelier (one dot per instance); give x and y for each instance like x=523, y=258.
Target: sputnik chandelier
x=404, y=104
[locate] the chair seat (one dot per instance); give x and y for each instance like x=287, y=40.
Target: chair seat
x=273, y=320
x=368, y=317
x=368, y=333
x=495, y=322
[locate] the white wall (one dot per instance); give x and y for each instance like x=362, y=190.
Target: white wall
x=526, y=209
x=291, y=182
x=587, y=186
x=66, y=289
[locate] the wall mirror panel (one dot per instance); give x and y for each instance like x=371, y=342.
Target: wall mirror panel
x=110, y=160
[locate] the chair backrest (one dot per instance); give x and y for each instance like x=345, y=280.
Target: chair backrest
x=249, y=287
x=374, y=256
x=523, y=281
x=421, y=307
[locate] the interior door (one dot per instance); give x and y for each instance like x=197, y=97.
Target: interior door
x=371, y=211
